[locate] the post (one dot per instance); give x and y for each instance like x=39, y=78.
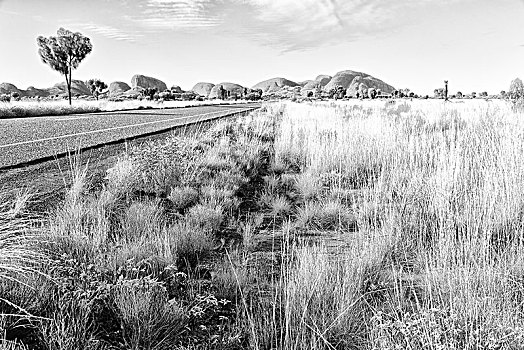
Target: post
x=446, y=90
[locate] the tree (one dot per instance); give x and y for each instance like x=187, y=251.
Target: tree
x=516, y=89
x=473, y=94
x=340, y=91
x=64, y=52
x=150, y=93
x=96, y=86
x=372, y=93
x=221, y=92
x=459, y=95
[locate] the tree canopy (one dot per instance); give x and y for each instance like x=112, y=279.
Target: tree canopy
x=96, y=86
x=516, y=89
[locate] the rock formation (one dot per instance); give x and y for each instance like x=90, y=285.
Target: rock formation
x=275, y=84
x=118, y=87
x=147, y=82
x=203, y=89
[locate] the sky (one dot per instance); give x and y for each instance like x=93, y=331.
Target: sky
x=477, y=45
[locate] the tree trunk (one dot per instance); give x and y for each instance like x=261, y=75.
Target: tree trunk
x=69, y=86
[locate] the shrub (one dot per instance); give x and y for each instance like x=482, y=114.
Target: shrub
x=308, y=186
x=183, y=198
x=189, y=243
x=214, y=197
x=141, y=221
x=149, y=320
x=71, y=327
x=439, y=329
x=207, y=218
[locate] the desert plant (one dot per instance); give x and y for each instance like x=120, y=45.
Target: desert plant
x=188, y=243
x=183, y=198
x=149, y=320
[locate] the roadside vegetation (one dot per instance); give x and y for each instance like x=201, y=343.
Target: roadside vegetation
x=23, y=109
x=370, y=225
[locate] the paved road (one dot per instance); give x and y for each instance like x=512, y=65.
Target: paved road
x=26, y=139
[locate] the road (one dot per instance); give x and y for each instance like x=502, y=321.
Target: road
x=23, y=140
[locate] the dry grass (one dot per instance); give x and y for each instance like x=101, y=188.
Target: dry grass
x=21, y=109
x=439, y=187
x=428, y=196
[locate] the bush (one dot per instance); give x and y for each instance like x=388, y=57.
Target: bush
x=183, y=198
x=148, y=319
x=189, y=243
x=207, y=218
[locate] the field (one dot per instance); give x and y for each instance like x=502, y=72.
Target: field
x=353, y=225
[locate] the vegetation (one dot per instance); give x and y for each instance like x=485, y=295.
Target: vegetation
x=342, y=226
x=64, y=52
x=21, y=109
x=96, y=86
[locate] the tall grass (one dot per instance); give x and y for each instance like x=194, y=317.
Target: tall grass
x=18, y=237
x=440, y=187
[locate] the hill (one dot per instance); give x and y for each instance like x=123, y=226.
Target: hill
x=144, y=82
x=78, y=87
x=321, y=80
x=351, y=81
x=275, y=84
x=203, y=89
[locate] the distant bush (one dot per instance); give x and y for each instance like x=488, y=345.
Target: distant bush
x=5, y=98
x=188, y=96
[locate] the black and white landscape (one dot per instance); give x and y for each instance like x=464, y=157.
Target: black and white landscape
x=261, y=174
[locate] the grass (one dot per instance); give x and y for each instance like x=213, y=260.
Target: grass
x=24, y=109
x=321, y=226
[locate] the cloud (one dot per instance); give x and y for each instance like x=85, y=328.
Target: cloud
x=287, y=25
x=177, y=14
x=294, y=25
x=110, y=32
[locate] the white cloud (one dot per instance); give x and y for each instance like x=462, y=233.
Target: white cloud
x=178, y=14
x=110, y=32
x=291, y=25
x=288, y=25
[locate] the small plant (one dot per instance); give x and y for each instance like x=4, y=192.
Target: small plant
x=189, y=243
x=149, y=320
x=205, y=217
x=182, y=198
x=141, y=221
